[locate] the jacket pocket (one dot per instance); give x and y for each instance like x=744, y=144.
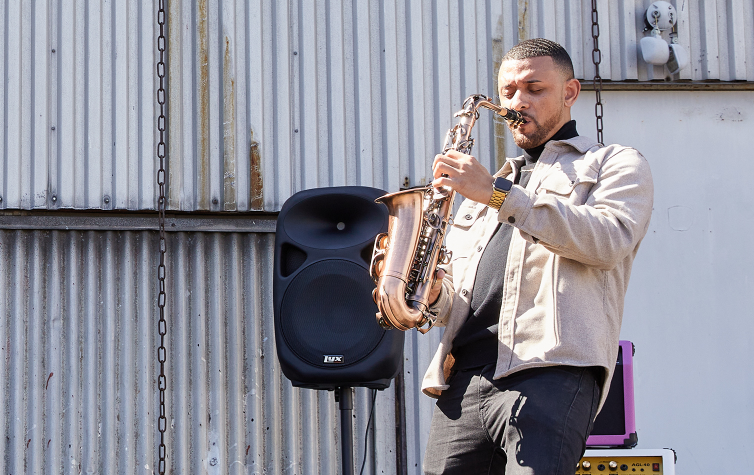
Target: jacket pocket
x=576, y=183
x=462, y=235
x=468, y=214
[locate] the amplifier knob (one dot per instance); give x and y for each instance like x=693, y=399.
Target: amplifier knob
x=586, y=465
x=613, y=465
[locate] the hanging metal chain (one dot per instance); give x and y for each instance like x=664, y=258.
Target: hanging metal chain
x=597, y=59
x=161, y=205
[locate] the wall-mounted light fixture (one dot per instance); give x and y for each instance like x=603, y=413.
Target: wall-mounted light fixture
x=661, y=17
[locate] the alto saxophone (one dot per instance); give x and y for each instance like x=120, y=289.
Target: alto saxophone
x=405, y=258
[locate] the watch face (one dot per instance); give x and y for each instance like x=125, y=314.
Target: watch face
x=502, y=184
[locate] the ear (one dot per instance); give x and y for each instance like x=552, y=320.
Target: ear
x=571, y=91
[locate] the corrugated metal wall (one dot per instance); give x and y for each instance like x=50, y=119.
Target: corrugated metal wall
x=269, y=98
x=718, y=35
x=77, y=105
x=78, y=337
x=266, y=99
x=316, y=94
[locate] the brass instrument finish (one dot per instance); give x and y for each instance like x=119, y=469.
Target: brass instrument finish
x=405, y=258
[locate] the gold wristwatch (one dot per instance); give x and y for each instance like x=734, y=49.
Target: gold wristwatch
x=500, y=189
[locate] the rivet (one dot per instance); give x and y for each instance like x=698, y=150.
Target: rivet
x=295, y=53
x=52, y=128
x=1, y=199
x=54, y=198
x=53, y=50
x=295, y=131
x=106, y=199
x=214, y=201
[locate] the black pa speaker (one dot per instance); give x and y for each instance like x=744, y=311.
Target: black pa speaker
x=325, y=328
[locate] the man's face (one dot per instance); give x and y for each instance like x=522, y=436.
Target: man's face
x=541, y=93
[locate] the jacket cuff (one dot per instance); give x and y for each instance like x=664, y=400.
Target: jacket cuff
x=516, y=207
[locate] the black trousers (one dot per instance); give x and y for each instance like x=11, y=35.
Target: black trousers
x=535, y=421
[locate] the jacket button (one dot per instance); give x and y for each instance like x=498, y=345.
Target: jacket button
x=468, y=216
x=464, y=292
x=479, y=249
x=511, y=219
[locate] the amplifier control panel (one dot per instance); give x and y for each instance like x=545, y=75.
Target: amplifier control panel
x=627, y=462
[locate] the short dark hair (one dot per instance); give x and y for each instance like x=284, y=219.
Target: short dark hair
x=537, y=47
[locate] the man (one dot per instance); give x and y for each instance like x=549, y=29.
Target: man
x=532, y=300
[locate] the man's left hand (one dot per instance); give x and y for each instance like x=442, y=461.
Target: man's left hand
x=464, y=174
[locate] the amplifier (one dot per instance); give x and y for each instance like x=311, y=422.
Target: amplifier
x=627, y=462
x=615, y=425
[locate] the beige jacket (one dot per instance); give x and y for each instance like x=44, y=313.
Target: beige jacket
x=579, y=223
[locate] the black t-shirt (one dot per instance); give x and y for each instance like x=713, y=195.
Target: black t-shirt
x=476, y=341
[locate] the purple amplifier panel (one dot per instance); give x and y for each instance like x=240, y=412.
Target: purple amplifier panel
x=615, y=425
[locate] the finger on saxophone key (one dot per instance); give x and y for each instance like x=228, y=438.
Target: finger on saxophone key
x=438, y=160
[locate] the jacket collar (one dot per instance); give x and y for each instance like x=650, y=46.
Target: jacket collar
x=579, y=143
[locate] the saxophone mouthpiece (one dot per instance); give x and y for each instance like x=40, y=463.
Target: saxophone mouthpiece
x=513, y=117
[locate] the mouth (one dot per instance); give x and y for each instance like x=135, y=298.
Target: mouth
x=524, y=120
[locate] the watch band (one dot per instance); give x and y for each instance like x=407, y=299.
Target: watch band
x=497, y=198
x=500, y=189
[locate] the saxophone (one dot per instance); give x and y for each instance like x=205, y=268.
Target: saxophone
x=404, y=259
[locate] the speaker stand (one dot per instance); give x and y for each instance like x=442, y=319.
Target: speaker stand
x=344, y=396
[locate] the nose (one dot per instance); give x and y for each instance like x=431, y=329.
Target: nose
x=518, y=102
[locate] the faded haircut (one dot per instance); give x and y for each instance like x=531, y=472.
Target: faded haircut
x=537, y=47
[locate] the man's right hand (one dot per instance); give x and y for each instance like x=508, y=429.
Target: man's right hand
x=464, y=174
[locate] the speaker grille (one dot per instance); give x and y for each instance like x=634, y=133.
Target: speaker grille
x=328, y=310
x=612, y=418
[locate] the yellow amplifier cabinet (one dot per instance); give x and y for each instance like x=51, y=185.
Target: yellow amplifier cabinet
x=627, y=462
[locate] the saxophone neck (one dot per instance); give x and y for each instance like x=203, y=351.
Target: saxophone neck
x=509, y=115
x=459, y=137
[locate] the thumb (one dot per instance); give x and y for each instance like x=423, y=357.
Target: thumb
x=434, y=293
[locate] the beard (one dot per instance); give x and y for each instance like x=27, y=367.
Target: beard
x=539, y=135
